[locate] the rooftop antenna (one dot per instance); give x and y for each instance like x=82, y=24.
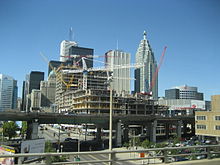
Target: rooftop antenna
x=71, y=37
x=145, y=35
x=117, y=45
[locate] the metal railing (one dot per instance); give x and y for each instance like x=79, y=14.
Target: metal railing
x=165, y=154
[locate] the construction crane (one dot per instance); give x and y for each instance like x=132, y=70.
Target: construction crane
x=61, y=70
x=58, y=75
x=152, y=84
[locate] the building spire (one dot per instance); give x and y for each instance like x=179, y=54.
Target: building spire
x=145, y=35
x=71, y=34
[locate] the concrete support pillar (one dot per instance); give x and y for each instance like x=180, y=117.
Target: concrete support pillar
x=167, y=130
x=178, y=128
x=118, y=134
x=185, y=129
x=125, y=134
x=98, y=133
x=152, y=131
x=32, y=130
x=193, y=130
x=142, y=129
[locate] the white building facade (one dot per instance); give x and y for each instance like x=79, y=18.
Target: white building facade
x=145, y=78
x=115, y=60
x=189, y=92
x=65, y=49
x=35, y=99
x=48, y=90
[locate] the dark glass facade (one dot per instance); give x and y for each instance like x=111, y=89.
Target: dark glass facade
x=52, y=65
x=34, y=80
x=172, y=94
x=74, y=50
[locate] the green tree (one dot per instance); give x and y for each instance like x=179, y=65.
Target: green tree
x=9, y=129
x=126, y=144
x=49, y=148
x=160, y=145
x=23, y=128
x=135, y=141
x=145, y=143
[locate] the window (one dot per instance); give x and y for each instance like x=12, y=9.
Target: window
x=217, y=127
x=201, y=126
x=200, y=117
x=217, y=117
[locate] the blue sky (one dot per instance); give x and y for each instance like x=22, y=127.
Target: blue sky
x=189, y=28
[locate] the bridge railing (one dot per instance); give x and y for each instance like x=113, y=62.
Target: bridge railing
x=164, y=154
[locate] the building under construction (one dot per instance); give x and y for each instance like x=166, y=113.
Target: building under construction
x=83, y=91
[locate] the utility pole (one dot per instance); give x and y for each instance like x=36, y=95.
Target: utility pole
x=59, y=140
x=78, y=142
x=110, y=116
x=110, y=126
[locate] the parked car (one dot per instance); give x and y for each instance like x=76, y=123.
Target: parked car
x=70, y=140
x=179, y=158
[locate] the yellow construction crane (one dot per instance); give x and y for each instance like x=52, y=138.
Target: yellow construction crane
x=58, y=74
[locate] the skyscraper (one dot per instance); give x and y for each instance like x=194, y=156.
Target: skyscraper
x=48, y=90
x=8, y=93
x=32, y=82
x=145, y=79
x=35, y=78
x=114, y=59
x=71, y=53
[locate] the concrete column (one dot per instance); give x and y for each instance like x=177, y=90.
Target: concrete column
x=184, y=128
x=118, y=134
x=125, y=134
x=193, y=130
x=32, y=130
x=178, y=128
x=142, y=129
x=152, y=131
x=167, y=130
x=98, y=133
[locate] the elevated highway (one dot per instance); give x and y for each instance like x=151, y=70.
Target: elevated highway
x=148, y=122
x=59, y=118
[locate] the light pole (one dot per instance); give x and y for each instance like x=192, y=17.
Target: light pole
x=59, y=139
x=110, y=126
x=78, y=141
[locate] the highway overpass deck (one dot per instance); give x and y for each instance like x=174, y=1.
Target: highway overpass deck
x=59, y=118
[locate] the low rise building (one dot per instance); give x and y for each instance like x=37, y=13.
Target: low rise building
x=183, y=106
x=208, y=122
x=183, y=92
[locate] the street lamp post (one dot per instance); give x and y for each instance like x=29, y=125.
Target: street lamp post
x=59, y=139
x=110, y=126
x=78, y=142
x=109, y=82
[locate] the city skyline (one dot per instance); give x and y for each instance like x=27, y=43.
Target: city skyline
x=190, y=30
